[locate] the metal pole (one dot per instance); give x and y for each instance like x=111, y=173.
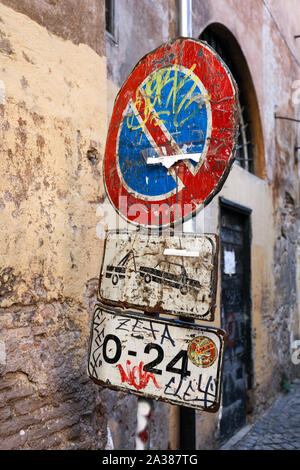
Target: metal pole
x=144, y=410
x=145, y=406
x=185, y=18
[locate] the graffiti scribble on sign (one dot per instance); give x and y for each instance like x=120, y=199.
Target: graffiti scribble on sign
x=143, y=376
x=181, y=92
x=202, y=351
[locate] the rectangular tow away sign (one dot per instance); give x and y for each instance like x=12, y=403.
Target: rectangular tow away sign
x=168, y=360
x=161, y=274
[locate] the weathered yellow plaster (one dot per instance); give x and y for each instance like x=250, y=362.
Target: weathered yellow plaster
x=55, y=111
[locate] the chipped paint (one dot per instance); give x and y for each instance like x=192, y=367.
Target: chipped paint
x=172, y=134
x=173, y=274
x=155, y=358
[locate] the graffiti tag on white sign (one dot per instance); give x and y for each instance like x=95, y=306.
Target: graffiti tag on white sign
x=168, y=360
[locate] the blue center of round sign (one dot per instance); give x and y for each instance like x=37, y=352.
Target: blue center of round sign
x=178, y=106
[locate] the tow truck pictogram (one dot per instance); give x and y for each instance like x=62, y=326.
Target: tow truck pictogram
x=162, y=274
x=165, y=272
x=118, y=272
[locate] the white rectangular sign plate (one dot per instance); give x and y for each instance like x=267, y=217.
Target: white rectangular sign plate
x=168, y=360
x=163, y=274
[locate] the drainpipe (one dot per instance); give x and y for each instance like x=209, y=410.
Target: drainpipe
x=184, y=26
x=184, y=14
x=187, y=415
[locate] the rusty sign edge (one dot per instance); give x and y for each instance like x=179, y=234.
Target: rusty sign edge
x=230, y=161
x=157, y=309
x=137, y=315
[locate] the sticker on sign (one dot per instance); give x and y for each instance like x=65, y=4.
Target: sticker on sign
x=172, y=274
x=168, y=360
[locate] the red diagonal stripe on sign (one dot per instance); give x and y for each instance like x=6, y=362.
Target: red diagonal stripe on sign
x=196, y=187
x=156, y=129
x=159, y=137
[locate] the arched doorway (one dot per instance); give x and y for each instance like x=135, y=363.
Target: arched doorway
x=250, y=151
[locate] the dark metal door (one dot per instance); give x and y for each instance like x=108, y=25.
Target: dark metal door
x=235, y=308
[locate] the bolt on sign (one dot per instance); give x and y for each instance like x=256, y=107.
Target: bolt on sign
x=161, y=274
x=168, y=360
x=172, y=134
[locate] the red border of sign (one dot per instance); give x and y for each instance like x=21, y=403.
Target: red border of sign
x=223, y=92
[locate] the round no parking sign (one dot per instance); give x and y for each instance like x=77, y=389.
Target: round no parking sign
x=172, y=134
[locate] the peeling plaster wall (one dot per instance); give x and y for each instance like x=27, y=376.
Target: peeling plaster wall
x=53, y=131
x=80, y=21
